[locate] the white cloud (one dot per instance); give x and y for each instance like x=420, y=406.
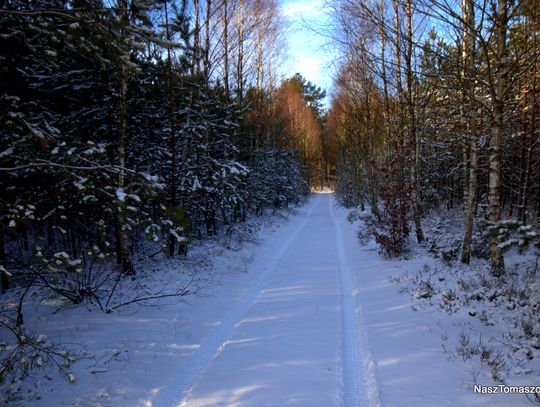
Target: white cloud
x=309, y=66
x=305, y=9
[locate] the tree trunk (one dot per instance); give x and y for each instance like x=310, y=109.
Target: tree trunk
x=471, y=195
x=413, y=136
x=122, y=235
x=240, y=56
x=531, y=140
x=466, y=163
x=170, y=105
x=497, y=259
x=196, y=40
x=469, y=109
x=206, y=67
x=385, y=81
x=226, y=47
x=400, y=147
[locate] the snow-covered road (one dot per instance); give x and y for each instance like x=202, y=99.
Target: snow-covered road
x=294, y=338
x=303, y=315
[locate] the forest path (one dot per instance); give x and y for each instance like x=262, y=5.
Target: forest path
x=294, y=338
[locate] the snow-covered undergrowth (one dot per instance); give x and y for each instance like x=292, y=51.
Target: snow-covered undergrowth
x=115, y=350
x=491, y=325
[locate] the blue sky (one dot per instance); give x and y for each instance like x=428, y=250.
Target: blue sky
x=308, y=49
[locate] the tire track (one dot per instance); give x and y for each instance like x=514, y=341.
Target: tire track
x=178, y=390
x=359, y=380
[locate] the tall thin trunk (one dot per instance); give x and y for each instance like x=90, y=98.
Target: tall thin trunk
x=469, y=109
x=125, y=261
x=240, y=56
x=464, y=74
x=531, y=139
x=466, y=163
x=258, y=73
x=226, y=46
x=533, y=127
x=413, y=136
x=501, y=25
x=385, y=80
x=400, y=139
x=170, y=104
x=196, y=40
x=369, y=128
x=206, y=67
x=123, y=243
x=397, y=50
x=471, y=195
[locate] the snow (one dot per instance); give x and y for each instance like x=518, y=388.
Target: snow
x=416, y=346
x=135, y=197
x=61, y=255
x=304, y=315
x=6, y=153
x=121, y=194
x=4, y=271
x=177, y=237
x=355, y=346
x=180, y=387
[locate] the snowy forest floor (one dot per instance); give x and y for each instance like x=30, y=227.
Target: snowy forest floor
x=300, y=314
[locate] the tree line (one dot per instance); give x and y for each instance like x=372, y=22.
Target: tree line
x=130, y=126
x=142, y=115
x=436, y=103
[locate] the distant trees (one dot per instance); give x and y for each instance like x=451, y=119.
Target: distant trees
x=299, y=114
x=458, y=114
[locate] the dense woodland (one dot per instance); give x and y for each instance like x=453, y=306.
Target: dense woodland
x=436, y=105
x=131, y=129
x=143, y=118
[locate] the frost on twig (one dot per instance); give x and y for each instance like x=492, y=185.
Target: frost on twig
x=23, y=351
